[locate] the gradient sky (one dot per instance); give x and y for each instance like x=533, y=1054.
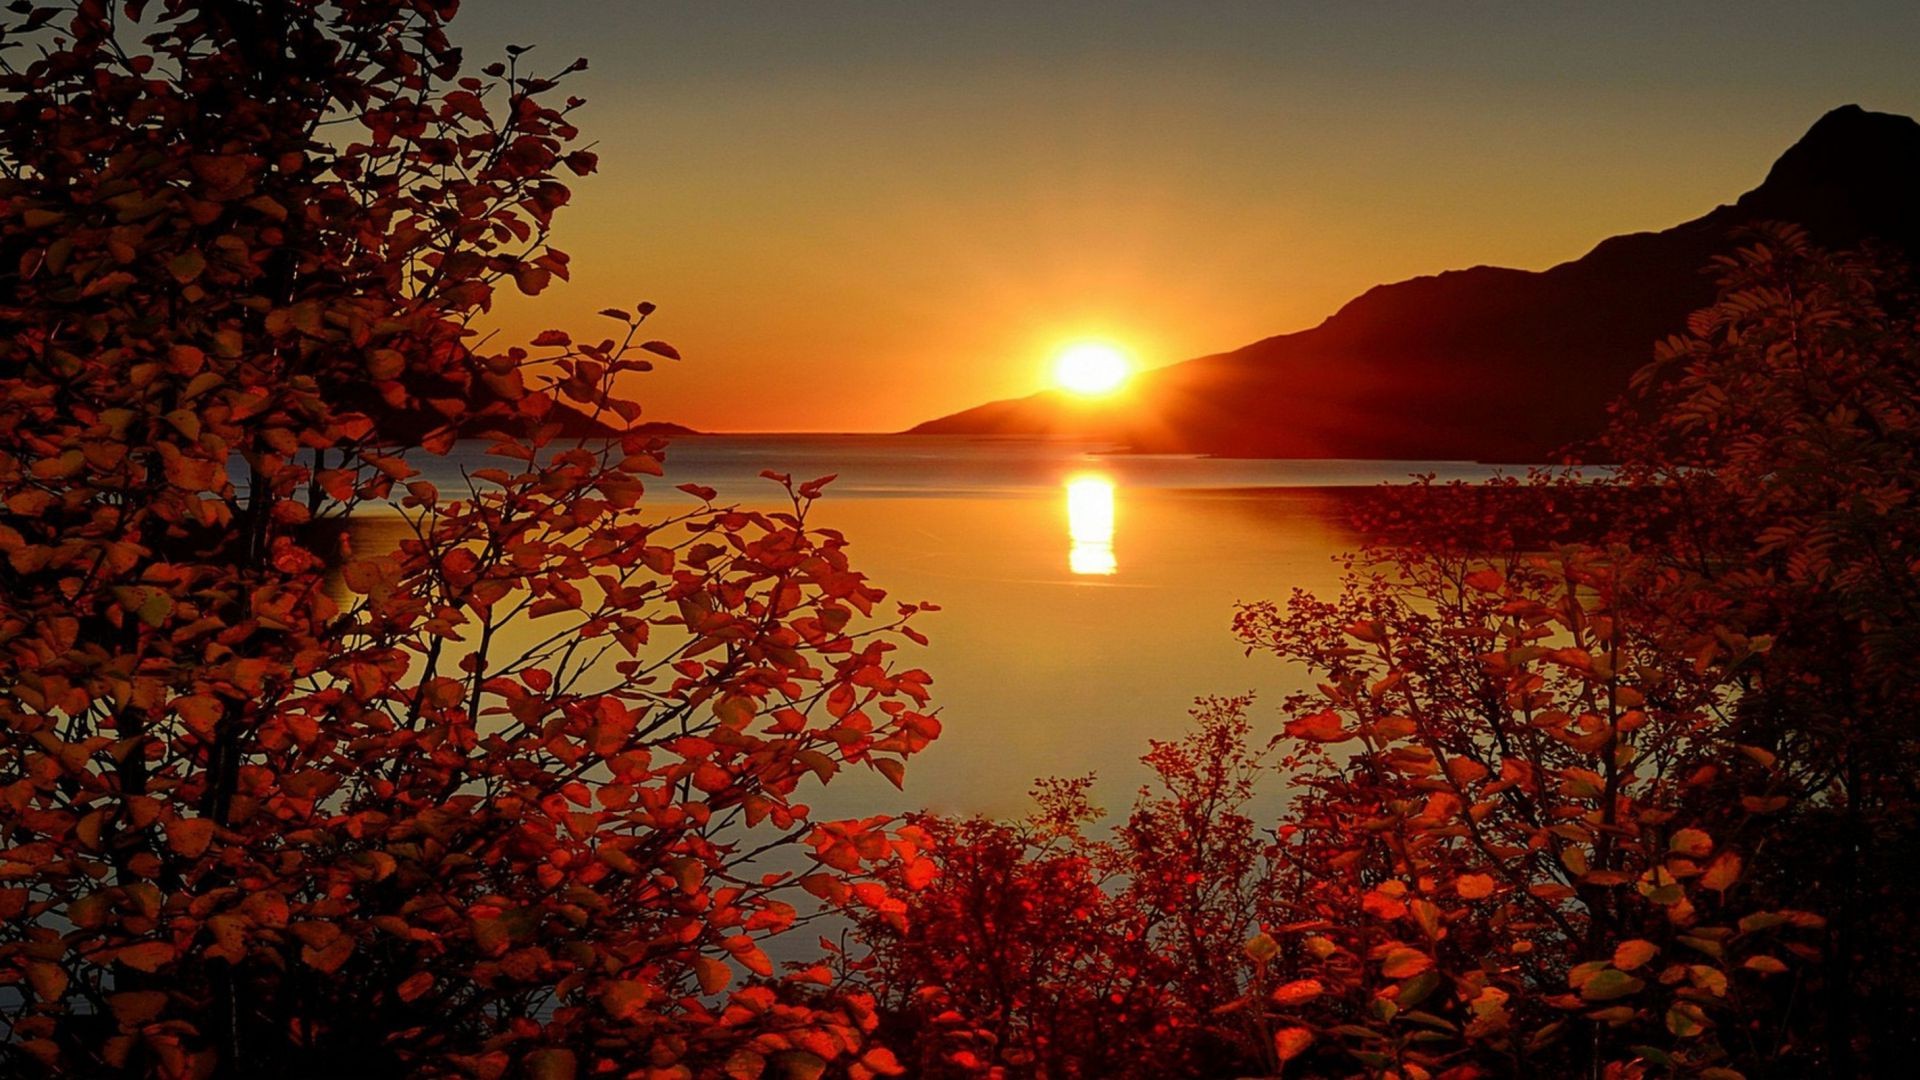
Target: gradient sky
x=858, y=216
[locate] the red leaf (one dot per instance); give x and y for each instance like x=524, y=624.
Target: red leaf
x=415, y=985
x=1323, y=726
x=189, y=837
x=147, y=956
x=1290, y=1043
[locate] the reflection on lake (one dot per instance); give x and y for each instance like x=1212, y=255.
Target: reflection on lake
x=1090, y=525
x=1043, y=665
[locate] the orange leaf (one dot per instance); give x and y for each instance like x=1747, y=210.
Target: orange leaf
x=920, y=873
x=552, y=1063
x=189, y=837
x=147, y=956
x=1323, y=726
x=1465, y=770
x=329, y=957
x=416, y=984
x=136, y=1007
x=186, y=266
x=1381, y=906
x=1404, y=963
x=1473, y=886
x=1722, y=872
x=1486, y=580
x=1693, y=843
x=1632, y=954
x=713, y=975
x=1298, y=991
x=1290, y=1043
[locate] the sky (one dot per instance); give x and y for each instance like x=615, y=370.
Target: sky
x=855, y=217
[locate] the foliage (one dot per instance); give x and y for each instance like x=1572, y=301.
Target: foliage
x=496, y=801
x=1040, y=950
x=1788, y=460
x=1532, y=862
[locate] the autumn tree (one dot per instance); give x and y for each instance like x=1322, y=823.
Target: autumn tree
x=1786, y=457
x=1055, y=946
x=494, y=800
x=1523, y=827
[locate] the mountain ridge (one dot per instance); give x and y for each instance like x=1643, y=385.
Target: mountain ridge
x=1489, y=363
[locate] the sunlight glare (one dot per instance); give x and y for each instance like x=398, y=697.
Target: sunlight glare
x=1090, y=368
x=1090, y=525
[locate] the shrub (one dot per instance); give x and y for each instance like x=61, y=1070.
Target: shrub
x=497, y=800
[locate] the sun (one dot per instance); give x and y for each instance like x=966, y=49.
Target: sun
x=1091, y=368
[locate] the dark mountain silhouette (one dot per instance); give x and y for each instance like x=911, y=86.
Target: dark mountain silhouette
x=1489, y=363
x=409, y=427
x=576, y=423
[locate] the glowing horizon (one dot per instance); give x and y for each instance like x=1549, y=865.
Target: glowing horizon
x=904, y=211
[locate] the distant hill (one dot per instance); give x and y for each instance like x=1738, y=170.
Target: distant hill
x=661, y=427
x=408, y=428
x=1488, y=363
x=576, y=423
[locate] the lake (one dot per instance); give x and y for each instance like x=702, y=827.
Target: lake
x=1087, y=597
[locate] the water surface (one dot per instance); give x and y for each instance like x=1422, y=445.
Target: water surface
x=1086, y=597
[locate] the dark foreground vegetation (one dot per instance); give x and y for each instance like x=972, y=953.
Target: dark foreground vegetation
x=1600, y=784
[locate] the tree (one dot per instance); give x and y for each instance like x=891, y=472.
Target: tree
x=1042, y=948
x=1528, y=855
x=1786, y=459
x=498, y=800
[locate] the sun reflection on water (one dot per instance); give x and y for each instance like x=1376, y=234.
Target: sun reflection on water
x=1090, y=525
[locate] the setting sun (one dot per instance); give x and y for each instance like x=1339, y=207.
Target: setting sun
x=1091, y=368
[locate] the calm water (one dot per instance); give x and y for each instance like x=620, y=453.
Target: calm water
x=1087, y=598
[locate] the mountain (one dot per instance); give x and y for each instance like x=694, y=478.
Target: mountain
x=576, y=423
x=410, y=427
x=1488, y=363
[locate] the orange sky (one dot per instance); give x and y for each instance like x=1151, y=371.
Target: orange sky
x=857, y=217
